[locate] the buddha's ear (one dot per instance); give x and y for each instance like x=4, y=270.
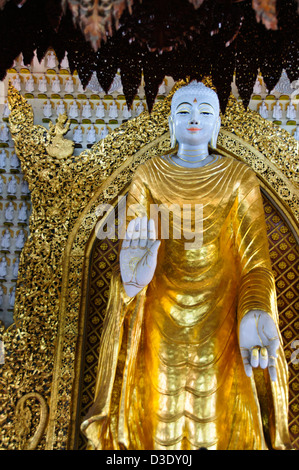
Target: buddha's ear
x=172, y=132
x=215, y=133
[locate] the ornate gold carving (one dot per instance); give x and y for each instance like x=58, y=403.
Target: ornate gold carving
x=43, y=347
x=24, y=417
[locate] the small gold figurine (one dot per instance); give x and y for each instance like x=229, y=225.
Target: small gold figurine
x=58, y=146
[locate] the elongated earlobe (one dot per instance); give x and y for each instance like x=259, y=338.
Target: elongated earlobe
x=172, y=132
x=215, y=134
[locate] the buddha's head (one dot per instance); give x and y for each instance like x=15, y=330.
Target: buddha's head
x=194, y=118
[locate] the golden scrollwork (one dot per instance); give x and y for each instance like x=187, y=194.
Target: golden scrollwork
x=43, y=346
x=24, y=417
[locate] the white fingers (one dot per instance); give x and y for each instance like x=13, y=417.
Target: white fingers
x=259, y=357
x=246, y=362
x=143, y=232
x=151, y=230
x=131, y=228
x=129, y=234
x=272, y=352
x=254, y=357
x=263, y=358
x=139, y=231
x=272, y=368
x=136, y=233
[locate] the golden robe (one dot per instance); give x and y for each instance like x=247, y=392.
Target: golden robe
x=170, y=370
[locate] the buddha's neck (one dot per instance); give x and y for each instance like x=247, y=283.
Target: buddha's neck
x=188, y=155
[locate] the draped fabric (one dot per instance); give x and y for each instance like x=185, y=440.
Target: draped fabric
x=170, y=370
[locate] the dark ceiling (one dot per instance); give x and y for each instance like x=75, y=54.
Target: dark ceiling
x=177, y=38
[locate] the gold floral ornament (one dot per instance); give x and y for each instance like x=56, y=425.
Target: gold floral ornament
x=58, y=146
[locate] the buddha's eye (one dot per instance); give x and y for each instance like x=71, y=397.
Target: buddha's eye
x=206, y=113
x=183, y=112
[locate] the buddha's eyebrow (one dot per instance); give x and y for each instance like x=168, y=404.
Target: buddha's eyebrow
x=185, y=102
x=206, y=104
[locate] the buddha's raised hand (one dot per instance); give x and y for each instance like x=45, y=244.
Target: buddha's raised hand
x=259, y=341
x=138, y=255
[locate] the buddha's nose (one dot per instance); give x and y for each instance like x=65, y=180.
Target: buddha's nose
x=194, y=118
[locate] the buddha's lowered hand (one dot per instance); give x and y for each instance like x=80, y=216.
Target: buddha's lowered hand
x=259, y=341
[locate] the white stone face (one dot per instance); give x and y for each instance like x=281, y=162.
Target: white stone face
x=194, y=122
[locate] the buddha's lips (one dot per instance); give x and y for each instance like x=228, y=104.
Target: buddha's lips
x=193, y=129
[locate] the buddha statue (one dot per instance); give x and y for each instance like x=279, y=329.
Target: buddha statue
x=277, y=111
x=191, y=354
x=291, y=112
x=47, y=109
x=29, y=84
x=42, y=84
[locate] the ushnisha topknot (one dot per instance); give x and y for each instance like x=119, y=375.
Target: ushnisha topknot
x=196, y=88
